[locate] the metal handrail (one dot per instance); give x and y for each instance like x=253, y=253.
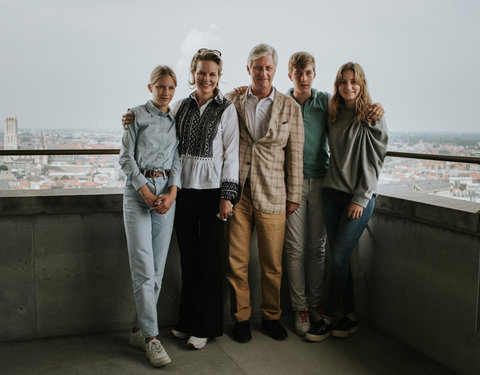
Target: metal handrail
x=113, y=151
x=435, y=157
x=62, y=151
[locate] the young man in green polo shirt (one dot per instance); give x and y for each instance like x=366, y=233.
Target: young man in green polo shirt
x=305, y=235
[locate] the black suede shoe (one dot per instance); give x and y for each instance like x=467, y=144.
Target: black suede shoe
x=241, y=331
x=274, y=329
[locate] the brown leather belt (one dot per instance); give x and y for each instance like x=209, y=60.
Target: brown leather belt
x=156, y=173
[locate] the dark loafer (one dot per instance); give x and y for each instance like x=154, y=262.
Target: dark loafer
x=274, y=329
x=241, y=331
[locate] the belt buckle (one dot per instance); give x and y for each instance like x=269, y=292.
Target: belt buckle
x=157, y=173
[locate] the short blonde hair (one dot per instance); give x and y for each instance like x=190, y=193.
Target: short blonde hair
x=300, y=60
x=205, y=54
x=261, y=50
x=161, y=71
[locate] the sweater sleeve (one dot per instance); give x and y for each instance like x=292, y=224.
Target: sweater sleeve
x=373, y=142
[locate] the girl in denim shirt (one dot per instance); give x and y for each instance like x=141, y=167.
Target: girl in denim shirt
x=150, y=160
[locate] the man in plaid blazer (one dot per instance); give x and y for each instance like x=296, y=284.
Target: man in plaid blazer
x=271, y=177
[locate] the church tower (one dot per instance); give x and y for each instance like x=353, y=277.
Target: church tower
x=11, y=134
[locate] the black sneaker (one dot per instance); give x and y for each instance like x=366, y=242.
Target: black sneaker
x=344, y=328
x=274, y=329
x=241, y=331
x=319, y=331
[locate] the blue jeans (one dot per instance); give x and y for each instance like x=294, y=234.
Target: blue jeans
x=148, y=239
x=343, y=235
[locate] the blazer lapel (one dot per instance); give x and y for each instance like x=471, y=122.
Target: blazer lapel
x=243, y=112
x=276, y=107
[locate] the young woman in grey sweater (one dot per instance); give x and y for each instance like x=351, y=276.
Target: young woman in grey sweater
x=357, y=149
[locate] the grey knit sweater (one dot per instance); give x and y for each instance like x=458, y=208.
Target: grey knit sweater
x=357, y=151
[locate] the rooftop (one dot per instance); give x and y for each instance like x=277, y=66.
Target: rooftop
x=66, y=296
x=366, y=352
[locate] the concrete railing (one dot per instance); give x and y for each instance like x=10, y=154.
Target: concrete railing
x=64, y=270
x=64, y=266
x=417, y=276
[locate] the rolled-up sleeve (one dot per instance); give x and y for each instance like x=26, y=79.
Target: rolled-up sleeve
x=127, y=160
x=175, y=177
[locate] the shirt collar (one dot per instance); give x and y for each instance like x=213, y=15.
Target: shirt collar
x=218, y=98
x=313, y=91
x=271, y=96
x=155, y=111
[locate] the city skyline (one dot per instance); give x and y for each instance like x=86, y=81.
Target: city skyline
x=79, y=171
x=82, y=64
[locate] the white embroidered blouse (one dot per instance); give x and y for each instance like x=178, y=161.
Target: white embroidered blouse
x=208, y=146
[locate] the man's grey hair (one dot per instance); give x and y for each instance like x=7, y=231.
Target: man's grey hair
x=261, y=50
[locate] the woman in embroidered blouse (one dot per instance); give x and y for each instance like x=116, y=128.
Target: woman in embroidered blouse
x=207, y=125
x=357, y=149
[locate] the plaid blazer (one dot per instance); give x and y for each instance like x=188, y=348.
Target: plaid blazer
x=275, y=161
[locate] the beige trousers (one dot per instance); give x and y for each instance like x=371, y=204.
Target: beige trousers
x=270, y=233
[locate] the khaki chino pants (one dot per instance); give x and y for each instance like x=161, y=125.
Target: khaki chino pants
x=270, y=234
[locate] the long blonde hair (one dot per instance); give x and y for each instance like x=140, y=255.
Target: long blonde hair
x=362, y=103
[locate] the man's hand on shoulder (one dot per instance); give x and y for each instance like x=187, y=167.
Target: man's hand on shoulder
x=240, y=90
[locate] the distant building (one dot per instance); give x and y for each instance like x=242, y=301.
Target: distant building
x=11, y=134
x=10, y=137
x=4, y=184
x=42, y=159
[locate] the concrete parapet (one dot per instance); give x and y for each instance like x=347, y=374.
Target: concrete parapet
x=64, y=266
x=417, y=276
x=64, y=270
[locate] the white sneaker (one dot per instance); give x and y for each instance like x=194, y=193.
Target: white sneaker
x=156, y=354
x=179, y=334
x=302, y=322
x=197, y=342
x=136, y=339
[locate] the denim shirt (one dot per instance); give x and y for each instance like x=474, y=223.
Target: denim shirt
x=151, y=143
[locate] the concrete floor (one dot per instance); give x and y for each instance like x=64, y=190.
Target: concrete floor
x=366, y=352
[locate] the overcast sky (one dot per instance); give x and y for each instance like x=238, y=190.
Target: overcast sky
x=81, y=64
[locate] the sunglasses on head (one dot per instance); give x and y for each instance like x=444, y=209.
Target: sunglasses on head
x=215, y=51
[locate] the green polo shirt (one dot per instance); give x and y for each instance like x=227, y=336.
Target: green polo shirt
x=315, y=149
